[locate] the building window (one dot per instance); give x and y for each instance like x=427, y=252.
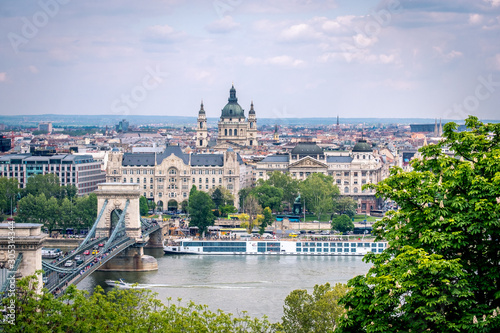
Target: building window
x=151, y=180
x=355, y=190
x=124, y=180
x=160, y=194
x=213, y=180
x=194, y=180
x=144, y=180
x=220, y=180
x=201, y=180
x=346, y=189
x=138, y=180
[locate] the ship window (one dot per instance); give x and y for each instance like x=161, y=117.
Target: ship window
x=353, y=250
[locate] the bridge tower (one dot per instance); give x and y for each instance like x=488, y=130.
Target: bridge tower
x=115, y=199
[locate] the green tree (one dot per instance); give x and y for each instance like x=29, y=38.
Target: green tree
x=65, y=215
x=345, y=205
x=86, y=210
x=185, y=206
x=440, y=272
x=217, y=198
x=143, y=206
x=319, y=193
x=242, y=194
x=268, y=196
x=319, y=312
x=285, y=182
x=227, y=209
x=200, y=211
x=48, y=184
x=9, y=188
x=267, y=220
x=342, y=223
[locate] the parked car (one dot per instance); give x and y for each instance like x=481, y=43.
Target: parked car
x=68, y=263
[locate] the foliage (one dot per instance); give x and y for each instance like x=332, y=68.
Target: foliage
x=242, y=194
x=119, y=310
x=200, y=210
x=345, y=205
x=268, y=196
x=342, y=223
x=79, y=213
x=319, y=312
x=267, y=219
x=227, y=209
x=285, y=182
x=185, y=206
x=319, y=193
x=8, y=193
x=217, y=198
x=143, y=206
x=48, y=184
x=440, y=272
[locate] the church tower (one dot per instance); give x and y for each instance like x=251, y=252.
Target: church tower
x=252, y=127
x=201, y=129
x=276, y=136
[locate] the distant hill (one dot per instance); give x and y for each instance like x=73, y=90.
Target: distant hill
x=134, y=120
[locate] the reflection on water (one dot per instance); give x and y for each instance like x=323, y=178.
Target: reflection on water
x=256, y=284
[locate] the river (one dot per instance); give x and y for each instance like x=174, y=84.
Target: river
x=256, y=284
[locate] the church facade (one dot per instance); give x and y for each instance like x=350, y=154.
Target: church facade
x=234, y=129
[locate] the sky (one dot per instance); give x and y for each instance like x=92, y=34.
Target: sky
x=292, y=58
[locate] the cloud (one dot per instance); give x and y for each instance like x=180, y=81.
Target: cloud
x=446, y=57
x=283, y=60
x=33, y=69
x=3, y=76
x=162, y=34
x=475, y=18
x=222, y=26
x=300, y=32
x=493, y=3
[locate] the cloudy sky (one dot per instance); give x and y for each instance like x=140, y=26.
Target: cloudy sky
x=293, y=58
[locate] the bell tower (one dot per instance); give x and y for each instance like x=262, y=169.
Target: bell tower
x=252, y=127
x=201, y=129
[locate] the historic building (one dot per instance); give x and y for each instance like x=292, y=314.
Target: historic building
x=167, y=178
x=80, y=170
x=350, y=170
x=234, y=130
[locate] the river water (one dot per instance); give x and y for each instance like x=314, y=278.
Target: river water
x=256, y=284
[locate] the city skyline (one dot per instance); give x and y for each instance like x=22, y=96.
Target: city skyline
x=293, y=59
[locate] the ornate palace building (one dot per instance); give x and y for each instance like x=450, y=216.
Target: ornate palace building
x=167, y=178
x=234, y=130
x=350, y=170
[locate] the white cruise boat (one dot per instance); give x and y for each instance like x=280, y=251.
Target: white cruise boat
x=274, y=247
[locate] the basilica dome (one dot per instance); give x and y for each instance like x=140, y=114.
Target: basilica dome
x=232, y=108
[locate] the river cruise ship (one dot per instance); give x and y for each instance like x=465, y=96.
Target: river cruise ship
x=307, y=247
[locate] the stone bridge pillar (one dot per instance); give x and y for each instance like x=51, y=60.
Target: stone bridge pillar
x=117, y=194
x=25, y=238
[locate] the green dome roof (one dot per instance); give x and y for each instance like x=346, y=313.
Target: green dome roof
x=232, y=108
x=362, y=146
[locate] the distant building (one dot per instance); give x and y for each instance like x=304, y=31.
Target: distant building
x=122, y=126
x=350, y=171
x=79, y=170
x=234, y=130
x=167, y=178
x=5, y=144
x=45, y=127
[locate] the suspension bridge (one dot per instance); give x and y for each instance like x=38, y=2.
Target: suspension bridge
x=115, y=242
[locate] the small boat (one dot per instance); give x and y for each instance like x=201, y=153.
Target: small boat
x=120, y=284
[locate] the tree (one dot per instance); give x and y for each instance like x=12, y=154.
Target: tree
x=319, y=192
x=267, y=220
x=319, y=312
x=227, y=209
x=9, y=188
x=217, y=198
x=440, y=272
x=143, y=206
x=268, y=196
x=285, y=182
x=242, y=194
x=86, y=210
x=252, y=208
x=185, y=206
x=200, y=210
x=342, y=223
x=48, y=184
x=118, y=310
x=345, y=205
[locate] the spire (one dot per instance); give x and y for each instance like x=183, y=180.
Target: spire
x=232, y=94
x=440, y=128
x=338, y=121
x=436, y=127
x=202, y=110
x=252, y=111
